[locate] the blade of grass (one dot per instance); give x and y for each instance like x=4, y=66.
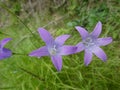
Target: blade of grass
x=32, y=74
x=18, y=18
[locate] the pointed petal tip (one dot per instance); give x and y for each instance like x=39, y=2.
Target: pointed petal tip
x=110, y=39
x=57, y=62
x=31, y=54
x=83, y=32
x=104, y=41
x=78, y=27
x=87, y=57
x=99, y=53
x=45, y=35
x=86, y=64
x=41, y=29
x=99, y=22
x=9, y=38
x=104, y=59
x=43, y=51
x=97, y=30
x=58, y=70
x=6, y=39
x=67, y=35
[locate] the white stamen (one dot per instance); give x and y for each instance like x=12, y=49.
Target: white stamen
x=53, y=50
x=89, y=42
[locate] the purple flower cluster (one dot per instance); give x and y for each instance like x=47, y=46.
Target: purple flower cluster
x=55, y=48
x=91, y=43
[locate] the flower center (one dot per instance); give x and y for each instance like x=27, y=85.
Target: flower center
x=89, y=42
x=53, y=50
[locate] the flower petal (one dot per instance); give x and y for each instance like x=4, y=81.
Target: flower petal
x=80, y=47
x=43, y=51
x=99, y=53
x=97, y=30
x=82, y=32
x=61, y=39
x=88, y=57
x=6, y=53
x=4, y=41
x=57, y=61
x=46, y=36
x=104, y=41
x=66, y=50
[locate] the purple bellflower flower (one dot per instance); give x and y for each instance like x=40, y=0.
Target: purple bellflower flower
x=4, y=52
x=54, y=48
x=91, y=43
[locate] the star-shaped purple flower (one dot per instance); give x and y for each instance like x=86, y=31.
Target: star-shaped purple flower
x=91, y=43
x=4, y=52
x=54, y=48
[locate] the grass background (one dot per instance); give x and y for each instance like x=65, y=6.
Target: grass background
x=20, y=21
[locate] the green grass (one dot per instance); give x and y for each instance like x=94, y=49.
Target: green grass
x=21, y=72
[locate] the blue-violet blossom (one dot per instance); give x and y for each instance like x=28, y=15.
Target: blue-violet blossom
x=91, y=43
x=4, y=52
x=54, y=48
